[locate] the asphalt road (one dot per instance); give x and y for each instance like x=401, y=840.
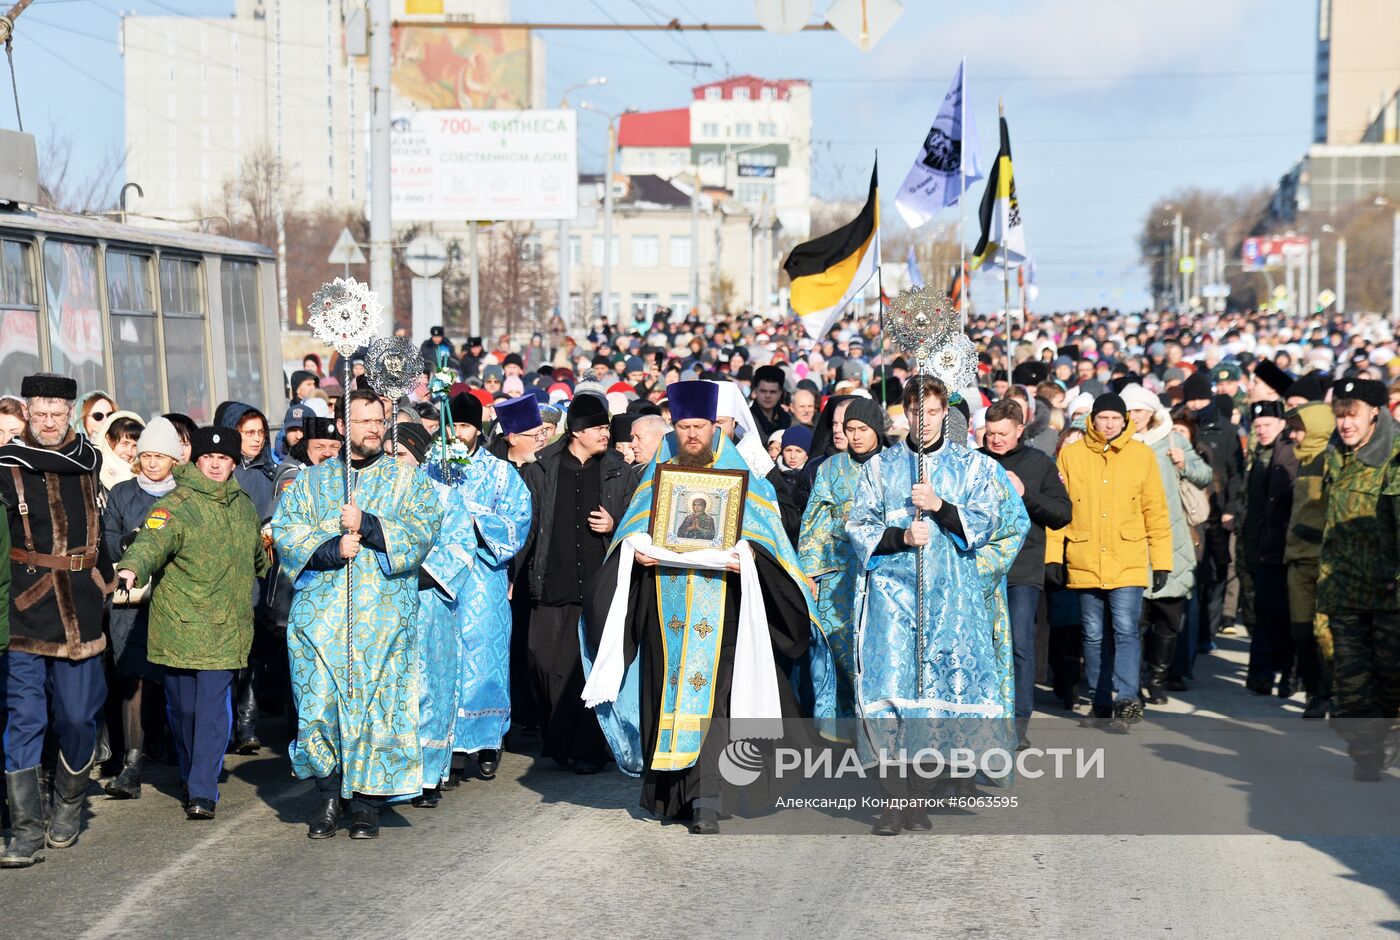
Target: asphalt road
x=1271, y=839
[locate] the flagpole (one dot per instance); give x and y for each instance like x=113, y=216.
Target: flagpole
x=880, y=290
x=1006, y=274
x=962, y=194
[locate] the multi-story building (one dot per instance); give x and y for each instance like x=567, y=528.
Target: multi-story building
x=750, y=136
x=1358, y=66
x=286, y=77
x=654, y=240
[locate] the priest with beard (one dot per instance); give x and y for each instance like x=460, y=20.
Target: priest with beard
x=686, y=653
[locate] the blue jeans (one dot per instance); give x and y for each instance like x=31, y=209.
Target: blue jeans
x=1022, y=600
x=1125, y=606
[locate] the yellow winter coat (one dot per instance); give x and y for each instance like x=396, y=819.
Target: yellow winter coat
x=1121, y=528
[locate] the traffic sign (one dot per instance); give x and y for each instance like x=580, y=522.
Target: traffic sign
x=346, y=250
x=783, y=16
x=1325, y=298
x=864, y=22
x=1280, y=292
x=425, y=256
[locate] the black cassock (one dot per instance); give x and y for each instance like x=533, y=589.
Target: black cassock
x=671, y=792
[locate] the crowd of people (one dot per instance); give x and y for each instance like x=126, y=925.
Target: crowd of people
x=410, y=582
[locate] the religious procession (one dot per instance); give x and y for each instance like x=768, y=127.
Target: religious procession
x=539, y=468
x=640, y=563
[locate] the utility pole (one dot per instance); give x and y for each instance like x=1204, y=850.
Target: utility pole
x=1395, y=269
x=475, y=295
x=695, y=238
x=381, y=223
x=564, y=305
x=279, y=215
x=1341, y=278
x=606, y=302
x=1173, y=275
x=1314, y=274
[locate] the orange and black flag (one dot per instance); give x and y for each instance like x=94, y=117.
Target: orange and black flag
x=829, y=271
x=956, y=287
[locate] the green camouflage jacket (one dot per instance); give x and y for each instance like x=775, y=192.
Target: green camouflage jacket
x=204, y=543
x=1359, y=569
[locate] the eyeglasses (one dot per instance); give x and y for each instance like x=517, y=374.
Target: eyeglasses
x=98, y=415
x=369, y=422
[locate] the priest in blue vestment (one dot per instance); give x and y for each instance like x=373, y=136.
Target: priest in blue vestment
x=354, y=678
x=933, y=672
x=681, y=658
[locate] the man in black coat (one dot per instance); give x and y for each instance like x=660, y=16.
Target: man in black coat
x=579, y=488
x=1037, y=479
x=51, y=678
x=1221, y=437
x=1272, y=472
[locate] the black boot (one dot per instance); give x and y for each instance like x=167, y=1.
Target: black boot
x=69, y=798
x=1316, y=708
x=26, y=843
x=488, y=762
x=1159, y=653
x=705, y=822
x=245, y=730
x=326, y=819
x=127, y=784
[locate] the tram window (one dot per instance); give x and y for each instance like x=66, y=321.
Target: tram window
x=134, y=348
x=19, y=317
x=186, y=369
x=242, y=336
x=75, y=320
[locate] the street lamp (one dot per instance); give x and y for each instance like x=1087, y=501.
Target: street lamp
x=564, y=312
x=608, y=199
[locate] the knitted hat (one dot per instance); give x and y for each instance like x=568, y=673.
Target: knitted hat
x=301, y=375
x=1109, y=402
x=215, y=441
x=1135, y=397
x=798, y=436
x=415, y=439
x=160, y=437
x=1196, y=387
x=867, y=412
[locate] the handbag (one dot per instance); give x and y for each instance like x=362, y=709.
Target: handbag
x=1195, y=504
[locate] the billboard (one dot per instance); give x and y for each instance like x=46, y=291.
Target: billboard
x=447, y=68
x=485, y=166
x=1271, y=250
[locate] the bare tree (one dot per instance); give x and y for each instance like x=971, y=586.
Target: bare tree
x=64, y=186
x=1227, y=217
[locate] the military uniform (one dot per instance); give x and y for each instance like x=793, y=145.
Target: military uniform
x=204, y=540
x=1357, y=583
x=1302, y=552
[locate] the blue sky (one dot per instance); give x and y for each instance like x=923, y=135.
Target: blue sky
x=1111, y=103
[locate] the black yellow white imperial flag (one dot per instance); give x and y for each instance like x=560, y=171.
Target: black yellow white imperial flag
x=827, y=272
